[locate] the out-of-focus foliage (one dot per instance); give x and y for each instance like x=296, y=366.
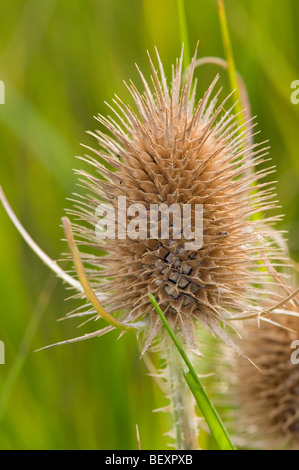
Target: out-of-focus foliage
x=59, y=62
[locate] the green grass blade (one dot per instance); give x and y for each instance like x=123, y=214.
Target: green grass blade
x=206, y=407
x=232, y=72
x=229, y=57
x=172, y=335
x=184, y=32
x=208, y=410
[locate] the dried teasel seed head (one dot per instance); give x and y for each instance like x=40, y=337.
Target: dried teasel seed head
x=268, y=396
x=174, y=150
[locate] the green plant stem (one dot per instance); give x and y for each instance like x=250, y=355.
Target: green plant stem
x=208, y=410
x=233, y=78
x=181, y=399
x=230, y=57
x=184, y=31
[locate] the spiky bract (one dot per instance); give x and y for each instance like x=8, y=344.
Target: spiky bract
x=268, y=395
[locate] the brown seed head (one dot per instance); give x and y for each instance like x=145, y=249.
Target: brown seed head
x=269, y=397
x=174, y=150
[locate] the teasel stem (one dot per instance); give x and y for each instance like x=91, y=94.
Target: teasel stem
x=181, y=399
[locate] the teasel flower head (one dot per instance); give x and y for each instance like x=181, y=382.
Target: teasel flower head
x=267, y=395
x=170, y=149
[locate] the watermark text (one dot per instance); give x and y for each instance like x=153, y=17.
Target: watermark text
x=2, y=92
x=2, y=353
x=295, y=94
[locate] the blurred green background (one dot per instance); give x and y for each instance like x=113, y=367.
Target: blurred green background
x=59, y=61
